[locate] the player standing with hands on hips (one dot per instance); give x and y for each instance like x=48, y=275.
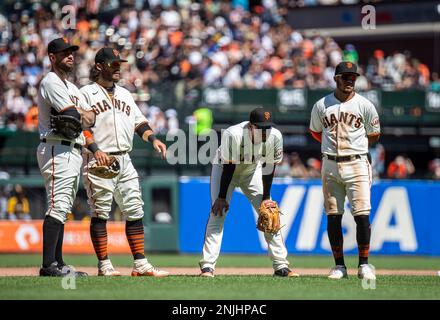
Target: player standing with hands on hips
x=61, y=117
x=117, y=119
x=346, y=124
x=246, y=158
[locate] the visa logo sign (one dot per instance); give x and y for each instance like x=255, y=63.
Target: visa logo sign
x=392, y=222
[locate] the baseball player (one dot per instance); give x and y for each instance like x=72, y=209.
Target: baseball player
x=117, y=119
x=246, y=159
x=345, y=123
x=59, y=151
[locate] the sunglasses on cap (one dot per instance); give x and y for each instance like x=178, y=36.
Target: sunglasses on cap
x=348, y=77
x=113, y=65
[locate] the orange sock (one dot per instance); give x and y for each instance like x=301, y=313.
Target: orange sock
x=134, y=231
x=98, y=233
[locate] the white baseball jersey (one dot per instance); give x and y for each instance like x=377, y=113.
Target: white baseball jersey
x=237, y=147
x=117, y=117
x=59, y=95
x=344, y=125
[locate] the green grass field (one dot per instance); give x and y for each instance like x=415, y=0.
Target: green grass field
x=224, y=287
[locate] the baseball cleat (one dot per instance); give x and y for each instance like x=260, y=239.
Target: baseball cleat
x=285, y=272
x=207, y=272
x=142, y=268
x=338, y=272
x=51, y=271
x=105, y=268
x=67, y=270
x=366, y=271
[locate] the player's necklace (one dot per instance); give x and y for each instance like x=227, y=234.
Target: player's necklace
x=109, y=95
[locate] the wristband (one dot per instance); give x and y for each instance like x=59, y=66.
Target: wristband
x=93, y=147
x=151, y=138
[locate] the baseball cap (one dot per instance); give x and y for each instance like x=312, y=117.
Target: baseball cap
x=108, y=55
x=346, y=67
x=261, y=118
x=59, y=45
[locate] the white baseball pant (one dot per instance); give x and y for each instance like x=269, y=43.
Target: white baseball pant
x=250, y=182
x=124, y=188
x=60, y=167
x=351, y=179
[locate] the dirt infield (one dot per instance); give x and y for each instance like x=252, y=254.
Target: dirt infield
x=9, y=272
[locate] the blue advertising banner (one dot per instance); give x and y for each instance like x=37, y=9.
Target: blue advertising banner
x=405, y=218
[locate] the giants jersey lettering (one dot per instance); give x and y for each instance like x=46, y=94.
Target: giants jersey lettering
x=117, y=117
x=58, y=95
x=237, y=147
x=344, y=125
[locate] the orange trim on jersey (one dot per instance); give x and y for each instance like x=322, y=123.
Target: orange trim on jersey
x=375, y=134
x=316, y=135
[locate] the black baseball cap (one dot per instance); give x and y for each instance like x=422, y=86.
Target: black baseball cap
x=346, y=67
x=108, y=55
x=59, y=45
x=261, y=118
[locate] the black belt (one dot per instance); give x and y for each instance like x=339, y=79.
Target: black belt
x=118, y=153
x=343, y=158
x=63, y=142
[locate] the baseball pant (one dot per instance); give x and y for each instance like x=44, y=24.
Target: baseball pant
x=124, y=188
x=60, y=167
x=351, y=179
x=252, y=186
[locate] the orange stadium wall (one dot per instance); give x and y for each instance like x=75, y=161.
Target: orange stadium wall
x=27, y=237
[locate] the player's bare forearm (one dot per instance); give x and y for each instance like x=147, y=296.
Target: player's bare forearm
x=87, y=118
x=159, y=146
x=372, y=139
x=147, y=135
x=100, y=156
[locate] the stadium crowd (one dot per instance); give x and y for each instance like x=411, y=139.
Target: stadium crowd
x=189, y=44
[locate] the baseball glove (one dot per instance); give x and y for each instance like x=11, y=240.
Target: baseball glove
x=67, y=126
x=269, y=217
x=106, y=172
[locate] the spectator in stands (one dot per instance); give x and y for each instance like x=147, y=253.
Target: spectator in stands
x=400, y=168
x=172, y=121
x=434, y=169
x=377, y=160
x=3, y=203
x=186, y=45
x=297, y=170
x=313, y=168
x=283, y=169
x=18, y=205
x=435, y=83
x=31, y=118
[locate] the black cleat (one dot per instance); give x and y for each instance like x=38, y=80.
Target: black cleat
x=285, y=272
x=51, y=271
x=207, y=272
x=67, y=270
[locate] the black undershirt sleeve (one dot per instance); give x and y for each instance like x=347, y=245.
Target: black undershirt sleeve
x=71, y=112
x=225, y=181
